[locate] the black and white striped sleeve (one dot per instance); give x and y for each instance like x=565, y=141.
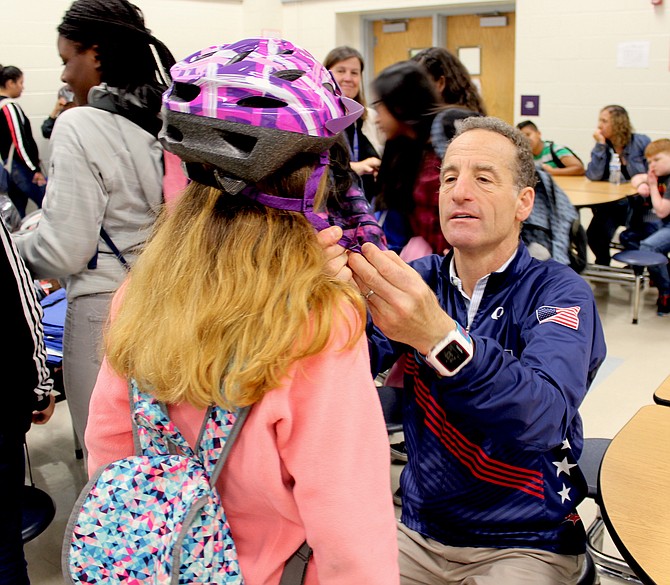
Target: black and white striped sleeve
x=23, y=334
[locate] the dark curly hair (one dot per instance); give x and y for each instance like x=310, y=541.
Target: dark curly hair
x=124, y=45
x=458, y=87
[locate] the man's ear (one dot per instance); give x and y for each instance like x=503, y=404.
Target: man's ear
x=524, y=203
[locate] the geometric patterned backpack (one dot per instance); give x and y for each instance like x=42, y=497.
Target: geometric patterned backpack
x=156, y=518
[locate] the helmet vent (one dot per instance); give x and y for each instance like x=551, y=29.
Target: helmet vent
x=260, y=101
x=239, y=57
x=236, y=144
x=174, y=133
x=202, y=56
x=329, y=87
x=184, y=92
x=289, y=74
x=286, y=52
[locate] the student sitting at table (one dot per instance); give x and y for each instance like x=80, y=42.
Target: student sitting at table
x=643, y=218
x=555, y=159
x=614, y=135
x=654, y=186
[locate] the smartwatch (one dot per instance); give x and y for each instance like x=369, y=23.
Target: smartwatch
x=451, y=354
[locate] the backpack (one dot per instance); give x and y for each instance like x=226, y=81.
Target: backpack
x=554, y=223
x=157, y=518
x=554, y=157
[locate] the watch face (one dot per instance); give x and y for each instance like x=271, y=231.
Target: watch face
x=453, y=355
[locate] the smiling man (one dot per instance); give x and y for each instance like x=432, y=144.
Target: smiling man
x=500, y=350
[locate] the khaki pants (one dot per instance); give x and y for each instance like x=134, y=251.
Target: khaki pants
x=426, y=562
x=85, y=319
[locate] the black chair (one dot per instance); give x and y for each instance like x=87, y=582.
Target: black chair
x=605, y=564
x=391, y=408
x=38, y=507
x=589, y=575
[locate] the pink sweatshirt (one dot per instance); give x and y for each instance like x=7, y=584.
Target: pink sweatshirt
x=311, y=462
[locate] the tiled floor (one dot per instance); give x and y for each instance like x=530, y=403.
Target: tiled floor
x=637, y=363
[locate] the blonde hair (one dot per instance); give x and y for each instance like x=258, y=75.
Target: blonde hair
x=227, y=295
x=622, y=129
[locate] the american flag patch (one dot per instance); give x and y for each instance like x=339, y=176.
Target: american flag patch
x=563, y=316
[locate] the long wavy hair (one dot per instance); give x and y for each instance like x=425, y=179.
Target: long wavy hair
x=411, y=98
x=622, y=129
x=459, y=90
x=227, y=295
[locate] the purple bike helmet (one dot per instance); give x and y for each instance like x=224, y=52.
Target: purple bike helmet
x=249, y=107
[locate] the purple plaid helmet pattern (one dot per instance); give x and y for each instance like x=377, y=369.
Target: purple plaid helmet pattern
x=269, y=83
x=249, y=107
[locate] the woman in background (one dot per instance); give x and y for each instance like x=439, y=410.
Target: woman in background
x=409, y=177
x=17, y=144
x=451, y=79
x=366, y=143
x=614, y=135
x=105, y=176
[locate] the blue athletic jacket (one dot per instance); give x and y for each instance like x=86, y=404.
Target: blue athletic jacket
x=493, y=449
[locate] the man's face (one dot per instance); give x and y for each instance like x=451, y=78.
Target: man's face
x=660, y=164
x=481, y=208
x=535, y=139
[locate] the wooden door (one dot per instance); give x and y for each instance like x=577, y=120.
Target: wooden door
x=497, y=59
x=391, y=47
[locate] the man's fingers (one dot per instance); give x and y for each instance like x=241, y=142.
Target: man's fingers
x=329, y=236
x=390, y=266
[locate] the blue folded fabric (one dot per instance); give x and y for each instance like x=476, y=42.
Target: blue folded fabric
x=53, y=322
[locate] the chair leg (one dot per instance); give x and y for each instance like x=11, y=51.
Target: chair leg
x=613, y=567
x=636, y=296
x=78, y=451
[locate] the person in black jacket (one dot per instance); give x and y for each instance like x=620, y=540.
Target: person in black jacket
x=26, y=399
x=17, y=145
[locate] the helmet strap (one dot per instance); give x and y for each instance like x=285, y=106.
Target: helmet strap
x=305, y=205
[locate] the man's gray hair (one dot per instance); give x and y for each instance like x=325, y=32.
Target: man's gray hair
x=525, y=166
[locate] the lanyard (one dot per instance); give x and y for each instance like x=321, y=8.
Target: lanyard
x=354, y=154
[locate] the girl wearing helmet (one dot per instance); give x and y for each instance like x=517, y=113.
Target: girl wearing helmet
x=230, y=304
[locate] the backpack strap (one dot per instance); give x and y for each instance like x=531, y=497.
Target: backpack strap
x=222, y=428
x=155, y=434
x=93, y=262
x=295, y=568
x=108, y=105
x=554, y=157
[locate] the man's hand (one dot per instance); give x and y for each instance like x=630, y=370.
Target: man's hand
x=336, y=255
x=400, y=302
x=41, y=417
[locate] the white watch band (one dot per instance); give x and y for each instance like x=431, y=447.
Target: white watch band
x=462, y=350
